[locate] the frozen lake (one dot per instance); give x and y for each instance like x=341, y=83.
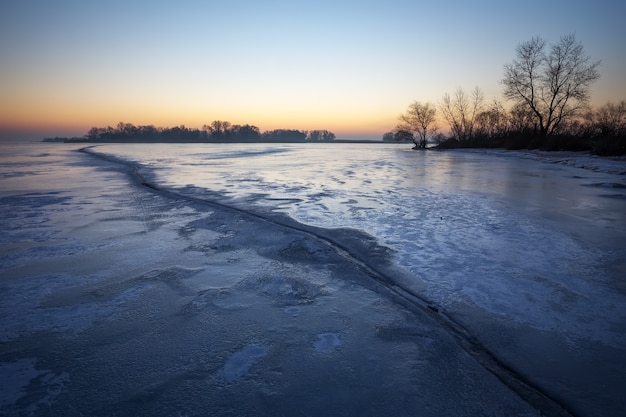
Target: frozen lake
x=527, y=256
x=498, y=233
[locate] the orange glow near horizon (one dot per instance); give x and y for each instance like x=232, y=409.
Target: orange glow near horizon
x=72, y=108
x=47, y=118
x=73, y=127
x=75, y=116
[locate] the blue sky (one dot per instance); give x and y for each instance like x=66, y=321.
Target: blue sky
x=347, y=66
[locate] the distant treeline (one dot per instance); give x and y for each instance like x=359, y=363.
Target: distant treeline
x=218, y=131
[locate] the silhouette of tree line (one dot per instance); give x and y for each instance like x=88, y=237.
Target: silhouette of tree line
x=217, y=131
x=549, y=91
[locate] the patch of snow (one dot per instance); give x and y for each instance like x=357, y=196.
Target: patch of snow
x=239, y=363
x=327, y=342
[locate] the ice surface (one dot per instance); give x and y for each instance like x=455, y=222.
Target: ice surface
x=528, y=246
x=495, y=229
x=20, y=378
x=14, y=377
x=293, y=310
x=190, y=298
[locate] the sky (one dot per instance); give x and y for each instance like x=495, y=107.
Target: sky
x=351, y=67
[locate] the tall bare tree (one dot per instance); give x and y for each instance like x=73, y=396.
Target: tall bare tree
x=419, y=119
x=460, y=111
x=554, y=84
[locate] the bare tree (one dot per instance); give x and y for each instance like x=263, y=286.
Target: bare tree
x=554, y=85
x=492, y=121
x=320, y=136
x=460, y=111
x=218, y=129
x=521, y=118
x=609, y=119
x=419, y=120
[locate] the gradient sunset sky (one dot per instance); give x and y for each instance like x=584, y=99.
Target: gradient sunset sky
x=348, y=66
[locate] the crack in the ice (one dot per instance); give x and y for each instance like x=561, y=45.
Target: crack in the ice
x=528, y=391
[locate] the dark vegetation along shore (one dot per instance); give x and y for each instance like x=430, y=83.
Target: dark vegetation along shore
x=548, y=88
